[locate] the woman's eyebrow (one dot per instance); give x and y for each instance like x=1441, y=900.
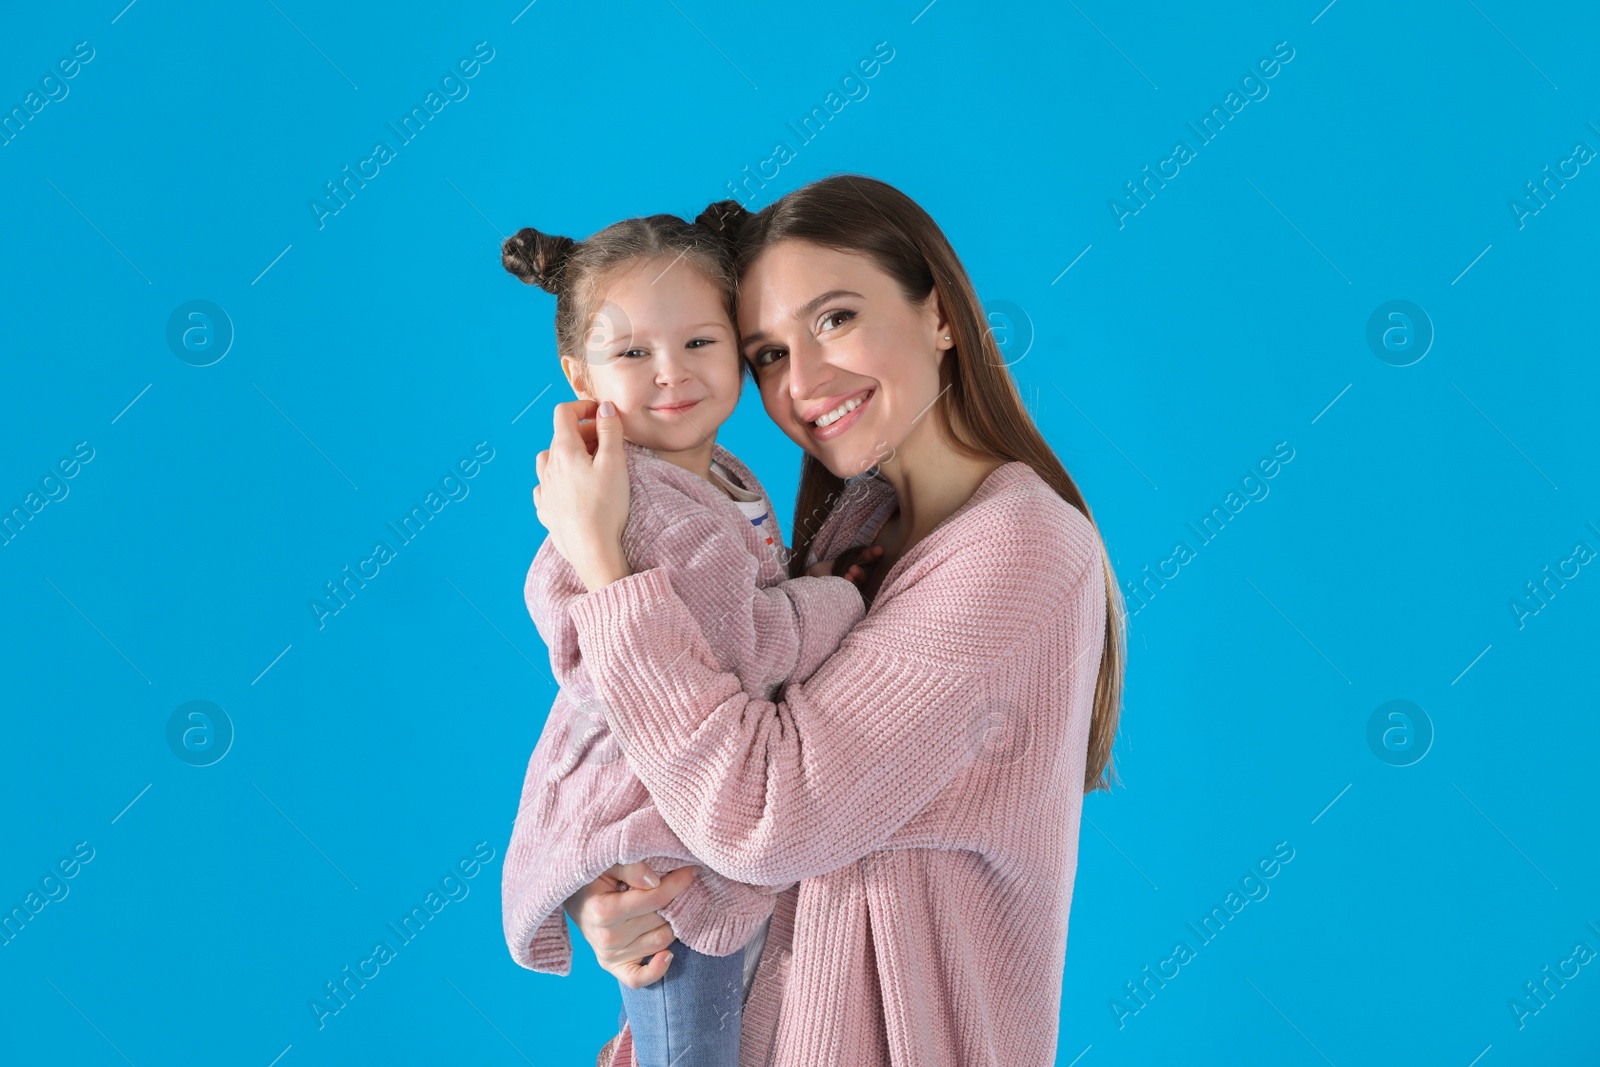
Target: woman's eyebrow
x=810, y=308
x=816, y=302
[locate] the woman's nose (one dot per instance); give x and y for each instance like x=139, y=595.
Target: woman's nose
x=808, y=374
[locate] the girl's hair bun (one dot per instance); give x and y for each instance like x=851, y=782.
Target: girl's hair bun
x=537, y=258
x=725, y=218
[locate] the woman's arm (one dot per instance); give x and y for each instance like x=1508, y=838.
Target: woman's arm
x=773, y=792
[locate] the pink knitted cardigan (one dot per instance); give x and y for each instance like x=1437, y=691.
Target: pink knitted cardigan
x=924, y=786
x=582, y=809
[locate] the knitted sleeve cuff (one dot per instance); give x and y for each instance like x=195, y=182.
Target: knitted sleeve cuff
x=550, y=949
x=827, y=609
x=612, y=609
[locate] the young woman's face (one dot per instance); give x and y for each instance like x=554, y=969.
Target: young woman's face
x=848, y=367
x=661, y=348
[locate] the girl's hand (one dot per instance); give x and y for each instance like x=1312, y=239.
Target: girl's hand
x=853, y=564
x=616, y=913
x=582, y=498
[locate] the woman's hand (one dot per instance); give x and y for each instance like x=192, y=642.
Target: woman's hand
x=582, y=495
x=853, y=564
x=617, y=915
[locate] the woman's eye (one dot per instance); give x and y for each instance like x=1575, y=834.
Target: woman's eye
x=837, y=318
x=767, y=356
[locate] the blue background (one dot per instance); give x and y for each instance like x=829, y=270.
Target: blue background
x=372, y=352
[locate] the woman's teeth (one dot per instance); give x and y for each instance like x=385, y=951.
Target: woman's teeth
x=839, y=412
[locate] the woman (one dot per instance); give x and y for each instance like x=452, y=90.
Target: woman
x=924, y=785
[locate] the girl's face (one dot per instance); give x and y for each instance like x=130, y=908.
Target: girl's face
x=848, y=367
x=661, y=348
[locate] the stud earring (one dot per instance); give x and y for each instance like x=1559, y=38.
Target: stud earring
x=947, y=337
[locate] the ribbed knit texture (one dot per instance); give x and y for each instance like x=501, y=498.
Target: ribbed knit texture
x=924, y=786
x=582, y=809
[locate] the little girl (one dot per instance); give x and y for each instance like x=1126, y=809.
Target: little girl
x=644, y=321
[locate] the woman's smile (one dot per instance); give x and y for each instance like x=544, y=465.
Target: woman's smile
x=833, y=417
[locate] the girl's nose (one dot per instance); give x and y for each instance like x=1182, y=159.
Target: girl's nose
x=670, y=370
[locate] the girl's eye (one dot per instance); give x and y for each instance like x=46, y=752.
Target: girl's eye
x=840, y=317
x=701, y=342
x=635, y=352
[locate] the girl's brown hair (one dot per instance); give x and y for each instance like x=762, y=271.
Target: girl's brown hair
x=978, y=408
x=577, y=272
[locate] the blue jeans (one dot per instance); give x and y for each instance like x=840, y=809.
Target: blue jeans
x=690, y=1016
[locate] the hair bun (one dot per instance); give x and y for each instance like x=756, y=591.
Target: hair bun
x=725, y=218
x=537, y=258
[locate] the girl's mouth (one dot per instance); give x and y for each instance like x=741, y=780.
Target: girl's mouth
x=675, y=409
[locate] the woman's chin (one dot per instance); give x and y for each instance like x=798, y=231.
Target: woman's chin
x=842, y=460
x=841, y=464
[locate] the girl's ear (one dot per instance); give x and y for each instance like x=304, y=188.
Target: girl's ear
x=574, y=372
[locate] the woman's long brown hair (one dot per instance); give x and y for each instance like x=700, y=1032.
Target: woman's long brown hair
x=978, y=408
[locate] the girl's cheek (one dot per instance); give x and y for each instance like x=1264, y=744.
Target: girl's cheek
x=613, y=383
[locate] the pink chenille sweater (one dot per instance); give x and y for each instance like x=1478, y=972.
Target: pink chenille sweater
x=923, y=787
x=582, y=809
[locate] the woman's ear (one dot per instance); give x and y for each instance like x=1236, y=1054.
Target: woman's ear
x=939, y=322
x=574, y=372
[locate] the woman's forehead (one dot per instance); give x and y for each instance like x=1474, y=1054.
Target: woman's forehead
x=794, y=257
x=784, y=278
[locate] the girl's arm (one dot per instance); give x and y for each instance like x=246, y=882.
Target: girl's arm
x=582, y=807
x=762, y=635
x=584, y=499
x=772, y=792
